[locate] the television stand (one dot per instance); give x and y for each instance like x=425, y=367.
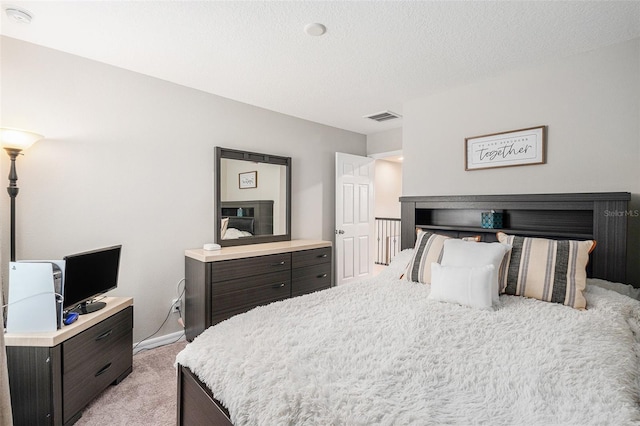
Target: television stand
x=53, y=376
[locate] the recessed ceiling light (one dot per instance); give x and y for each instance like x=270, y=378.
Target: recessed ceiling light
x=315, y=29
x=20, y=16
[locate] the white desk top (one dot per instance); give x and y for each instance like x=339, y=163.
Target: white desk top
x=54, y=338
x=252, y=250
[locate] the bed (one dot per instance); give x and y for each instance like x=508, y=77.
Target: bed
x=246, y=218
x=237, y=227
x=382, y=351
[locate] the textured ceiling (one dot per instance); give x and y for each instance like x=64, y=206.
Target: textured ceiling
x=374, y=56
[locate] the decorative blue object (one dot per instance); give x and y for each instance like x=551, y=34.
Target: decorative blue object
x=491, y=220
x=239, y=212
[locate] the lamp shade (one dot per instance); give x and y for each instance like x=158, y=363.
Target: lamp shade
x=17, y=139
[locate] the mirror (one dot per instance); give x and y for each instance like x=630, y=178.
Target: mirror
x=253, y=197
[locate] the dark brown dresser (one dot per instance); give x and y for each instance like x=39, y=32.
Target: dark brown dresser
x=53, y=376
x=232, y=280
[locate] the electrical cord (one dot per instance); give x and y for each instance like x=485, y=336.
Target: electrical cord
x=165, y=319
x=180, y=294
x=58, y=296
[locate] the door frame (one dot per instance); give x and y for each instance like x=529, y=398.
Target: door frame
x=371, y=222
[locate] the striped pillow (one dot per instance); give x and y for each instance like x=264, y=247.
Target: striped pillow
x=428, y=249
x=547, y=270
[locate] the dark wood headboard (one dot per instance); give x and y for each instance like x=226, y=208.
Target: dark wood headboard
x=260, y=210
x=599, y=216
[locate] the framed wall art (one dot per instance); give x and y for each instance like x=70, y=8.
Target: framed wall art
x=248, y=180
x=506, y=149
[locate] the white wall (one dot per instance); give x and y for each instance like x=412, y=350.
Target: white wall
x=129, y=159
x=388, y=188
x=388, y=175
x=590, y=103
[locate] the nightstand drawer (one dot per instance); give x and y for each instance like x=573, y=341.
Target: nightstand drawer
x=311, y=278
x=311, y=257
x=240, y=268
x=81, y=385
x=94, y=342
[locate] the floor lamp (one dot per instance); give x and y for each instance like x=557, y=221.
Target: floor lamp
x=14, y=141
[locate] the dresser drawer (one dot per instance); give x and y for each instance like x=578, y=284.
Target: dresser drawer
x=311, y=257
x=245, y=293
x=94, y=359
x=217, y=317
x=239, y=268
x=311, y=278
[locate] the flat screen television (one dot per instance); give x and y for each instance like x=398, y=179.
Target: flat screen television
x=87, y=275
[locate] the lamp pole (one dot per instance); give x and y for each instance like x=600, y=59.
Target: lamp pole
x=14, y=141
x=13, y=189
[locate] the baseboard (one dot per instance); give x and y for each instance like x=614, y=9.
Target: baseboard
x=158, y=341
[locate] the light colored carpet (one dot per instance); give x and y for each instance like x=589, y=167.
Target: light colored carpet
x=146, y=397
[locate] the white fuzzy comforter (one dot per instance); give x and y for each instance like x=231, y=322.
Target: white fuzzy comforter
x=379, y=352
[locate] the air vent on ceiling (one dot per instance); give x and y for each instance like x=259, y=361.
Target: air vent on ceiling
x=383, y=116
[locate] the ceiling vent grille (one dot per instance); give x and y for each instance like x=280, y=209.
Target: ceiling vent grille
x=383, y=116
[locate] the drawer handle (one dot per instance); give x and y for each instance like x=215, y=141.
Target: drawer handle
x=279, y=264
x=103, y=370
x=322, y=256
x=104, y=335
x=322, y=276
x=279, y=285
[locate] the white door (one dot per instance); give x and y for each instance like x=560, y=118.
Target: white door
x=354, y=217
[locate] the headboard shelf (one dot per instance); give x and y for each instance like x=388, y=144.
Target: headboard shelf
x=523, y=232
x=572, y=222
x=260, y=210
x=558, y=216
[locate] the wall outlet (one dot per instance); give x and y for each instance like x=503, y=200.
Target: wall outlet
x=175, y=306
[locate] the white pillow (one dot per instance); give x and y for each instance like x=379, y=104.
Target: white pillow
x=469, y=286
x=469, y=253
x=625, y=289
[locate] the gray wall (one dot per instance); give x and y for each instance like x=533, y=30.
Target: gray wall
x=129, y=159
x=591, y=103
x=387, y=141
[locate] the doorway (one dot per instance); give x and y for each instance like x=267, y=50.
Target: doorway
x=365, y=246
x=387, y=190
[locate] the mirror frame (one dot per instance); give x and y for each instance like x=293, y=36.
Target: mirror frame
x=235, y=154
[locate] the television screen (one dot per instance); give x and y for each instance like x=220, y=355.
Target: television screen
x=89, y=274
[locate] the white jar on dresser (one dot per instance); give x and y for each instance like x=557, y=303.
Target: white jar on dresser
x=232, y=280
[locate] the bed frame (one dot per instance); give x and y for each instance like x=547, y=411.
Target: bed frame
x=599, y=216
x=196, y=403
